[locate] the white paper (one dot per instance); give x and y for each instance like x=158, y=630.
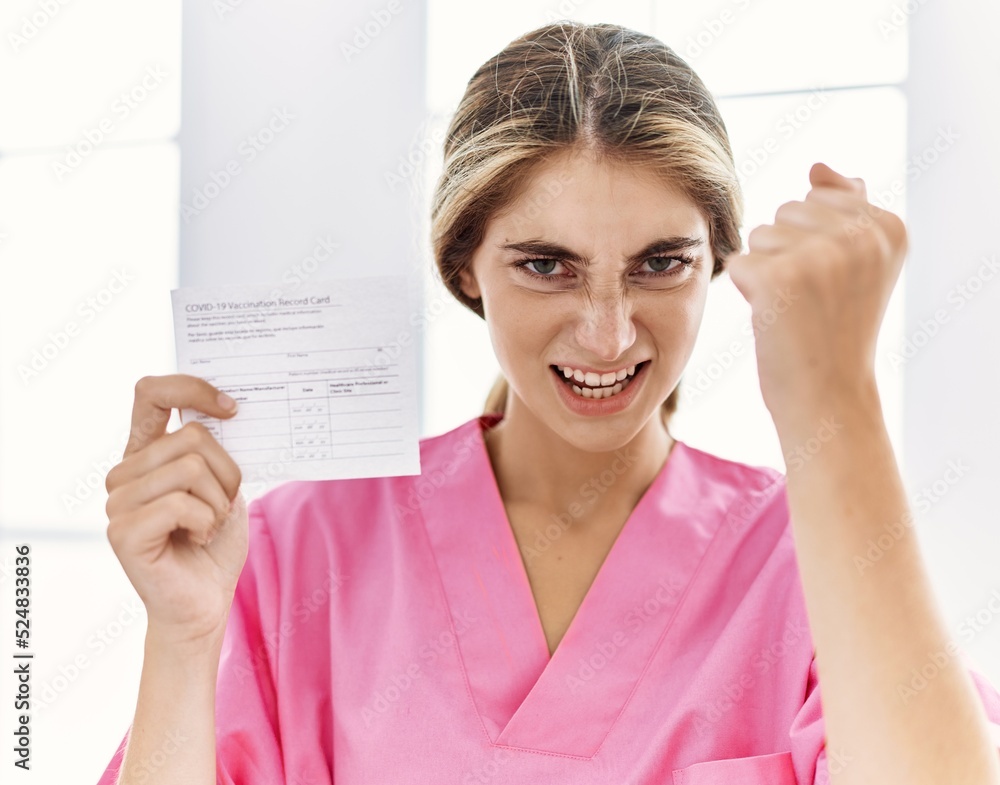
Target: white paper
x=324, y=373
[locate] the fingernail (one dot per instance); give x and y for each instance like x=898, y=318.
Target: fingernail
x=225, y=401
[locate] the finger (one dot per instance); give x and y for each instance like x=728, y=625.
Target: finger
x=820, y=174
x=840, y=199
x=774, y=238
x=148, y=527
x=855, y=213
x=190, y=473
x=192, y=437
x=155, y=396
x=745, y=272
x=813, y=215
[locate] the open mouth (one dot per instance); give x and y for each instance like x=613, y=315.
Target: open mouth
x=599, y=391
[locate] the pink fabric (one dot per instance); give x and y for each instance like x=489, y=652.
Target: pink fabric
x=383, y=630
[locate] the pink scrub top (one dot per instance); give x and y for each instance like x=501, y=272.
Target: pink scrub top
x=383, y=630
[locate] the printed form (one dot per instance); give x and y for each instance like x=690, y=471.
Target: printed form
x=324, y=373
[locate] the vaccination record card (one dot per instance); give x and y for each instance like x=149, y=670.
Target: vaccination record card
x=324, y=374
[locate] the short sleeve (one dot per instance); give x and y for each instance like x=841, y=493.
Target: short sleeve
x=808, y=735
x=248, y=741
x=811, y=759
x=991, y=700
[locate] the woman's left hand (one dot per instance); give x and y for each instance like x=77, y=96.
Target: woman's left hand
x=818, y=280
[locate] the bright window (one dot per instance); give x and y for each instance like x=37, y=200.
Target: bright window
x=88, y=216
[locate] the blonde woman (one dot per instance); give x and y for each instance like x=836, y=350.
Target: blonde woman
x=567, y=593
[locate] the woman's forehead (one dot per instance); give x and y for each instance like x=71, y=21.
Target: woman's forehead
x=573, y=196
x=575, y=176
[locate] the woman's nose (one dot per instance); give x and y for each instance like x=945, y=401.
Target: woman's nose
x=605, y=326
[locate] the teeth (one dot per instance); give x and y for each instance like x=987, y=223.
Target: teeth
x=599, y=385
x=601, y=392
x=597, y=379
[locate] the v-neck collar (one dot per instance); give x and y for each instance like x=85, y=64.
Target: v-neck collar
x=566, y=704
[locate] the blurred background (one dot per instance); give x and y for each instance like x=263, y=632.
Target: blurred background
x=117, y=120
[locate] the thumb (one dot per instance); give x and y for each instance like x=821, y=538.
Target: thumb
x=822, y=175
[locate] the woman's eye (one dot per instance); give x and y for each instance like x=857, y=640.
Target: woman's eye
x=659, y=267
x=543, y=266
x=659, y=263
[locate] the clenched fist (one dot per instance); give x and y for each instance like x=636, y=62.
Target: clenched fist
x=818, y=280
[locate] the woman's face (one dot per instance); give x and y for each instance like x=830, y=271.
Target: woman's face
x=586, y=270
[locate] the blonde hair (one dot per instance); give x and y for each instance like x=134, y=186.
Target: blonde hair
x=622, y=93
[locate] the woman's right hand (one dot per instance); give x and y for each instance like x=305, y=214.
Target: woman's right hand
x=170, y=519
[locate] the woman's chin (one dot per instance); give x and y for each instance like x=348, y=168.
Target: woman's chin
x=600, y=435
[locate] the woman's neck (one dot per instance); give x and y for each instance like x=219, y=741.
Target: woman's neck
x=535, y=466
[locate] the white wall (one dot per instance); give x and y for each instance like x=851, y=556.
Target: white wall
x=953, y=377
x=353, y=115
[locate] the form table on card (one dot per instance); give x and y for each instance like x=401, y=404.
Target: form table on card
x=323, y=374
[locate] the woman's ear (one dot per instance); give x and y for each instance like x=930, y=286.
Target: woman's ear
x=468, y=284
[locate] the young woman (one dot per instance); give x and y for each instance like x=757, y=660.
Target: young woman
x=567, y=593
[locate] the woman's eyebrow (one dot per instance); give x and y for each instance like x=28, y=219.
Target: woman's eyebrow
x=663, y=245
